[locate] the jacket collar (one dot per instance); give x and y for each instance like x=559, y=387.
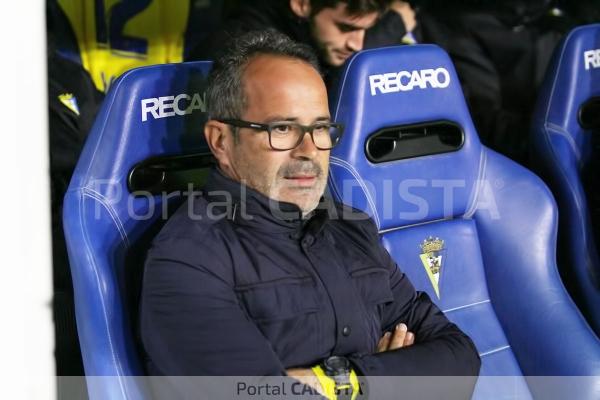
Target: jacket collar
x=247, y=207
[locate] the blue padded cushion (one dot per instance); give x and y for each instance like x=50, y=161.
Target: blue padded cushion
x=562, y=149
x=107, y=230
x=498, y=279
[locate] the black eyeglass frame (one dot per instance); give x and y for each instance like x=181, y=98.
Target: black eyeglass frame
x=239, y=123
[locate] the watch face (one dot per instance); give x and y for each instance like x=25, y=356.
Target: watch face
x=337, y=365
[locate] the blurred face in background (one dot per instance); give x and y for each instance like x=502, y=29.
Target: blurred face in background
x=336, y=33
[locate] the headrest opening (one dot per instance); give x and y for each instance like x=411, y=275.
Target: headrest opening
x=589, y=114
x=168, y=174
x=414, y=140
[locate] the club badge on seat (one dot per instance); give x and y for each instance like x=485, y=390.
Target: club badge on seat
x=432, y=252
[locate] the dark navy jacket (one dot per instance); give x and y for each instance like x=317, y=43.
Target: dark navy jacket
x=233, y=287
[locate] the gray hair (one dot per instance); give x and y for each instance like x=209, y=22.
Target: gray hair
x=225, y=89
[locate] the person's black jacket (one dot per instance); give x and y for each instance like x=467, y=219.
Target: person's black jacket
x=501, y=50
x=250, y=16
x=276, y=14
x=233, y=288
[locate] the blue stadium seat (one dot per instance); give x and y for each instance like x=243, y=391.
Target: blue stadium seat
x=563, y=150
x=149, y=112
x=473, y=229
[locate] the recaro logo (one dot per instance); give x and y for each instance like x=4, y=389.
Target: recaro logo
x=592, y=58
x=405, y=81
x=169, y=106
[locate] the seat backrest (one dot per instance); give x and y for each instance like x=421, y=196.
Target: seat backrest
x=150, y=112
x=566, y=118
x=473, y=229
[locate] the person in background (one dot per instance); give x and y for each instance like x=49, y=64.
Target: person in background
x=112, y=37
x=501, y=50
x=335, y=29
x=385, y=34
x=73, y=102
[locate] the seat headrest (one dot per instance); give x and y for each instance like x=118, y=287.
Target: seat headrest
x=149, y=111
x=410, y=98
x=572, y=83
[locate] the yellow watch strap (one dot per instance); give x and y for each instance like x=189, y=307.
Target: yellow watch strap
x=328, y=384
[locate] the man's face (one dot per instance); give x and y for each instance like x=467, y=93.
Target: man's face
x=339, y=34
x=282, y=89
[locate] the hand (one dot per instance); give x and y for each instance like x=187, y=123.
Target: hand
x=307, y=377
x=407, y=13
x=401, y=337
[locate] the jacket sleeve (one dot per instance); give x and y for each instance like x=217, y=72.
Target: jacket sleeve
x=441, y=348
x=190, y=320
x=388, y=31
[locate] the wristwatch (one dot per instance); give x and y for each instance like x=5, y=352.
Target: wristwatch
x=338, y=368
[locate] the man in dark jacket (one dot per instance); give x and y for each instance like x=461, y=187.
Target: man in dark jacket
x=334, y=28
x=262, y=274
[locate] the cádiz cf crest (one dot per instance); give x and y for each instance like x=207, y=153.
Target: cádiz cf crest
x=432, y=254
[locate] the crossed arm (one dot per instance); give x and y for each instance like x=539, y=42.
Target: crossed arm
x=400, y=337
x=224, y=341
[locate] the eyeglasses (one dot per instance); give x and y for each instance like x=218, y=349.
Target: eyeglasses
x=288, y=135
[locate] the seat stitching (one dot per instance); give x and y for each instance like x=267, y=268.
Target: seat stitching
x=559, y=131
x=337, y=107
x=467, y=306
x=555, y=80
x=103, y=124
x=397, y=228
x=341, y=163
x=499, y=349
x=102, y=302
x=580, y=210
x=104, y=202
x=477, y=190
